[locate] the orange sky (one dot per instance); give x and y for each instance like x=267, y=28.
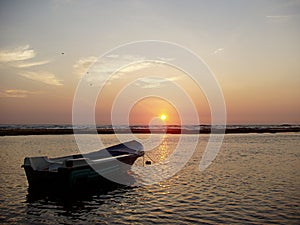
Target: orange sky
x=252, y=48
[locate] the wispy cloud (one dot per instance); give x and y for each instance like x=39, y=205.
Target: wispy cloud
x=110, y=64
x=278, y=18
x=122, y=64
x=218, y=51
x=42, y=76
x=149, y=82
x=106, y=66
x=164, y=59
x=17, y=54
x=113, y=63
x=83, y=64
x=136, y=66
x=38, y=63
x=13, y=93
x=20, y=59
x=155, y=82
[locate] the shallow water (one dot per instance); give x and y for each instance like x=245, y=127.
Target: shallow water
x=255, y=179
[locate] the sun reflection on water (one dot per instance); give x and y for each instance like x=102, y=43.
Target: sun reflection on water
x=162, y=150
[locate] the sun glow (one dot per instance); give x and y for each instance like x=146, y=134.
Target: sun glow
x=163, y=117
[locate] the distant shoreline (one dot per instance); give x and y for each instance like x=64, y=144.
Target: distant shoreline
x=207, y=130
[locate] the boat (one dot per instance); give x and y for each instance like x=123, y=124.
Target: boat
x=100, y=169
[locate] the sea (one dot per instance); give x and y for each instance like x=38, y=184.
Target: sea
x=256, y=127
x=254, y=179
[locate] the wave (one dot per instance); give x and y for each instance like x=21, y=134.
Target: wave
x=29, y=129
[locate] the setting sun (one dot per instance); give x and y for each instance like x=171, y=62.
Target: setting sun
x=163, y=117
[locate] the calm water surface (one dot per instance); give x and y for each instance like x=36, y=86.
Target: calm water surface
x=255, y=179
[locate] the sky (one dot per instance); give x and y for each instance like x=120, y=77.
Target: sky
x=251, y=47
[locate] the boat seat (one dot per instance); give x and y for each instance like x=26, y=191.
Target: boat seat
x=75, y=162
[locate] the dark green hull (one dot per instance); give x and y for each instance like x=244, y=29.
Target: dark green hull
x=96, y=170
x=65, y=180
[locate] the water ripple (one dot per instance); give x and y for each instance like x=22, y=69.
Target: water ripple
x=255, y=179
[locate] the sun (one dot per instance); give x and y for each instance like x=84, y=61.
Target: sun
x=163, y=117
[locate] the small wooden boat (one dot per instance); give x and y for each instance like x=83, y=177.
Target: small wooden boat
x=83, y=171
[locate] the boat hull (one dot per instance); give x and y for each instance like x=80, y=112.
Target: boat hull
x=73, y=173
x=66, y=180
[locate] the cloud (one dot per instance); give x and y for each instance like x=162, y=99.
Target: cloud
x=155, y=82
x=106, y=66
x=136, y=66
x=42, y=76
x=110, y=64
x=113, y=63
x=16, y=93
x=149, y=82
x=18, y=54
x=218, y=51
x=279, y=18
x=25, y=65
x=83, y=64
x=166, y=59
x=18, y=59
